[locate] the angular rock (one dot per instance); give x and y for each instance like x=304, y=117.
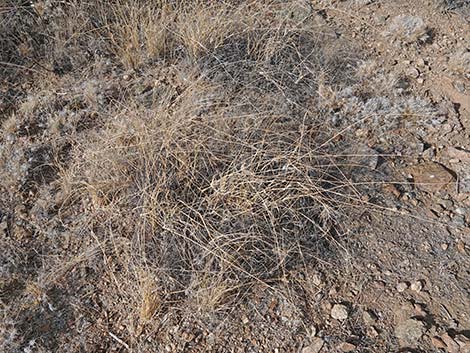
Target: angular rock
x=346, y=347
x=365, y=157
x=339, y=312
x=438, y=342
x=464, y=343
x=372, y=332
x=408, y=29
x=315, y=346
x=432, y=177
x=369, y=317
x=409, y=332
x=458, y=154
x=451, y=345
x=402, y=286
x=416, y=286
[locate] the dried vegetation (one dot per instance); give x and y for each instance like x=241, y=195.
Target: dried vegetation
x=182, y=159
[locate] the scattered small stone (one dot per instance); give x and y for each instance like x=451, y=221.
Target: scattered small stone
x=420, y=62
x=416, y=286
x=317, y=279
x=402, y=286
x=459, y=86
x=409, y=331
x=346, y=347
x=429, y=153
x=315, y=346
x=461, y=246
x=364, y=2
x=447, y=204
x=412, y=72
x=313, y=331
x=380, y=284
x=444, y=246
x=372, y=332
x=369, y=317
x=464, y=184
x=458, y=220
x=444, y=218
x=419, y=310
x=339, y=312
x=326, y=306
x=392, y=189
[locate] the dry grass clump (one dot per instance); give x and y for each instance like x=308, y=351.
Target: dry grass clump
x=202, y=28
x=224, y=181
x=138, y=31
x=217, y=189
x=210, y=204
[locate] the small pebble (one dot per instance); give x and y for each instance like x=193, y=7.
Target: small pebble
x=461, y=247
x=447, y=204
x=372, y=332
x=346, y=347
x=459, y=86
x=420, y=62
x=402, y=286
x=315, y=347
x=419, y=310
x=416, y=286
x=369, y=317
x=412, y=72
x=339, y=312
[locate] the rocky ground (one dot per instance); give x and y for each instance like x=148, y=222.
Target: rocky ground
x=388, y=269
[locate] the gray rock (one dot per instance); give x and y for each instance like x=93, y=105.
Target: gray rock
x=408, y=29
x=366, y=157
x=464, y=184
x=409, y=332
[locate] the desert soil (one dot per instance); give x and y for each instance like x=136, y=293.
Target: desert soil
x=393, y=269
